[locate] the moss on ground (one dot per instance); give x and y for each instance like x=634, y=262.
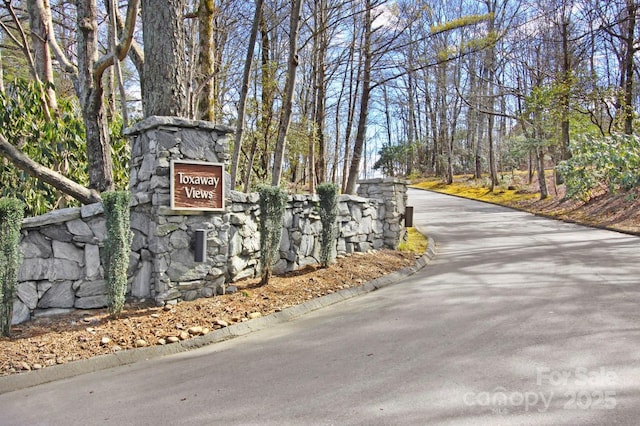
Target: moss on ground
x=416, y=242
x=476, y=191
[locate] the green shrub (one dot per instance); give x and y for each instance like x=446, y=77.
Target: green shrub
x=613, y=161
x=117, y=247
x=328, y=193
x=273, y=201
x=59, y=144
x=11, y=214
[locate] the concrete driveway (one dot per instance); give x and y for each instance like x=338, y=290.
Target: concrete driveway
x=519, y=320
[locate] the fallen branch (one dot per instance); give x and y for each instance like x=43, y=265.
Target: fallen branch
x=45, y=174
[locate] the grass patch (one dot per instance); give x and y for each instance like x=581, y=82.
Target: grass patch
x=477, y=191
x=416, y=242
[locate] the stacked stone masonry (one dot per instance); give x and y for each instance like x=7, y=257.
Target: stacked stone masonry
x=62, y=268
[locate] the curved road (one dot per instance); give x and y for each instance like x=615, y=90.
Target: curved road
x=518, y=320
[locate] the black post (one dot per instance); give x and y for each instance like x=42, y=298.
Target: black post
x=408, y=216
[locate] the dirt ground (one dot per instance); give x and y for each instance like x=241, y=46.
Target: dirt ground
x=57, y=340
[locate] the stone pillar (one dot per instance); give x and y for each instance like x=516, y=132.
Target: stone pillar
x=392, y=193
x=163, y=245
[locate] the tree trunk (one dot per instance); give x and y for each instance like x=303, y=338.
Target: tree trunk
x=116, y=71
x=267, y=77
x=58, y=181
x=361, y=133
x=354, y=88
x=490, y=64
x=204, y=75
x=564, y=94
x=39, y=19
x=1, y=75
x=320, y=93
x=287, y=101
x=244, y=90
x=629, y=66
x=90, y=94
x=542, y=182
x=163, y=87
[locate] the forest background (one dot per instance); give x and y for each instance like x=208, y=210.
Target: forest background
x=322, y=91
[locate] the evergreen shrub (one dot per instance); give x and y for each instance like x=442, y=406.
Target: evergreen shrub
x=613, y=161
x=11, y=214
x=117, y=247
x=328, y=193
x=273, y=202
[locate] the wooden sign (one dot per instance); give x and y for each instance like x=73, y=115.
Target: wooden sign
x=197, y=185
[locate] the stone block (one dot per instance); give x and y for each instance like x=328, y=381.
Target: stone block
x=235, y=242
x=64, y=269
x=92, y=288
x=79, y=229
x=285, y=242
x=190, y=285
x=306, y=246
x=146, y=168
x=43, y=287
x=366, y=225
x=139, y=241
x=141, y=285
x=280, y=267
x=27, y=292
x=21, y=313
x=236, y=265
x=166, y=139
x=60, y=295
x=158, y=181
x=180, y=240
x=216, y=282
x=183, y=268
x=92, y=302
x=68, y=251
x=34, y=269
x=57, y=233
x=52, y=218
x=363, y=247
x=91, y=210
x=249, y=229
x=193, y=144
x=35, y=245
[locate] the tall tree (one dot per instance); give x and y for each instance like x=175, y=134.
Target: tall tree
x=163, y=86
x=361, y=133
x=287, y=101
x=206, y=95
x=244, y=91
x=40, y=25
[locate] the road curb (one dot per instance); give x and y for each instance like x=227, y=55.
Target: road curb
x=102, y=362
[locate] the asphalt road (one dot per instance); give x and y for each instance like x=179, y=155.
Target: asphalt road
x=518, y=320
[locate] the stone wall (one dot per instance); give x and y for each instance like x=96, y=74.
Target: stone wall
x=62, y=269
x=360, y=225
x=392, y=192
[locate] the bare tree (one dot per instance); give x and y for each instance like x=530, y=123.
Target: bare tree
x=287, y=101
x=367, y=55
x=244, y=91
x=40, y=25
